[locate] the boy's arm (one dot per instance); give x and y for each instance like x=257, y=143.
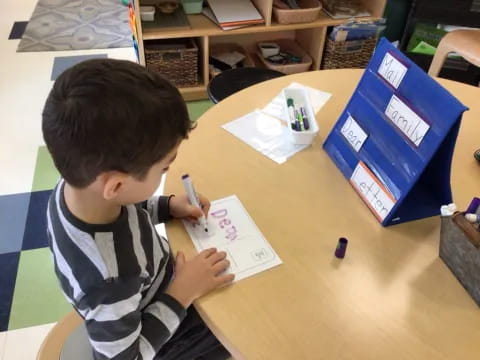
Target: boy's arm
x=117, y=327
x=159, y=208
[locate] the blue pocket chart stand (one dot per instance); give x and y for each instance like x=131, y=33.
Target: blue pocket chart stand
x=394, y=141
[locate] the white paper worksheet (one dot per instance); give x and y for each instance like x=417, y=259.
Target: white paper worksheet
x=265, y=134
x=231, y=229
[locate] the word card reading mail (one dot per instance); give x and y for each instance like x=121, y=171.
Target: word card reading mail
x=392, y=70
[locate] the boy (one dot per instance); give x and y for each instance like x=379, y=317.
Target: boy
x=113, y=128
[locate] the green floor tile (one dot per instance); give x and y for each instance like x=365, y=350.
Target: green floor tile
x=46, y=176
x=197, y=108
x=37, y=298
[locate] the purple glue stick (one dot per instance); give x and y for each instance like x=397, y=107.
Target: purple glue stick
x=341, y=248
x=472, y=208
x=306, y=124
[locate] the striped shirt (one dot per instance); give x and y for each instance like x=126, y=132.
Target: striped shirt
x=115, y=276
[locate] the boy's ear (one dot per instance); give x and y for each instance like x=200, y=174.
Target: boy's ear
x=113, y=184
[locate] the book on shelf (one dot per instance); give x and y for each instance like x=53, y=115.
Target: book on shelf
x=233, y=14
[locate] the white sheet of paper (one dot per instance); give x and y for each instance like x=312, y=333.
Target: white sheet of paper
x=231, y=229
x=406, y=120
x=276, y=107
x=392, y=70
x=265, y=134
x=353, y=133
x=378, y=199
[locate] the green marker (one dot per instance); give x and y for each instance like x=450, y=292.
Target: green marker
x=298, y=115
x=292, y=114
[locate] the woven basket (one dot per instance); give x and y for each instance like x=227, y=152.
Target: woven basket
x=290, y=46
x=348, y=54
x=175, y=59
x=309, y=11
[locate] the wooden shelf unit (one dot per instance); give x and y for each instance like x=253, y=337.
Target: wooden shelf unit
x=311, y=36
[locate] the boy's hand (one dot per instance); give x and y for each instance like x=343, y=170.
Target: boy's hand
x=199, y=275
x=181, y=208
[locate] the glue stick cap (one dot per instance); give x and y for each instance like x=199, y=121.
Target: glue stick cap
x=341, y=248
x=452, y=207
x=444, y=211
x=471, y=217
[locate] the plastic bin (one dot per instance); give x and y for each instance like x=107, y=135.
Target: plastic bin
x=301, y=99
x=192, y=6
x=147, y=13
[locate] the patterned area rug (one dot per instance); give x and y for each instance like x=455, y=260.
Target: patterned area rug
x=77, y=25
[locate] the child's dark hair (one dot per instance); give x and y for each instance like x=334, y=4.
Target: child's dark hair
x=105, y=114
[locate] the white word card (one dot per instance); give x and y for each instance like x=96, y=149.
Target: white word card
x=372, y=191
x=392, y=70
x=231, y=229
x=353, y=133
x=406, y=120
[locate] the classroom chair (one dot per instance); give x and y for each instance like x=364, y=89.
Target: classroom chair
x=229, y=82
x=465, y=43
x=66, y=341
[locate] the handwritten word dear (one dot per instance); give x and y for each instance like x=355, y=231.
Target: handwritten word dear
x=225, y=223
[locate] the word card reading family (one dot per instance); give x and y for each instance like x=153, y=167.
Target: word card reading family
x=378, y=199
x=406, y=120
x=392, y=70
x=231, y=229
x=353, y=133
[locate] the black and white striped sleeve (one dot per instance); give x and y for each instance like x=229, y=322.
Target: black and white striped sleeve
x=158, y=208
x=119, y=330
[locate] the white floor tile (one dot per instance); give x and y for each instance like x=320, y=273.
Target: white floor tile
x=3, y=336
x=23, y=344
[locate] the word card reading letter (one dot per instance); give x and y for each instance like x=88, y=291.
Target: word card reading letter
x=354, y=133
x=406, y=120
x=378, y=199
x=392, y=70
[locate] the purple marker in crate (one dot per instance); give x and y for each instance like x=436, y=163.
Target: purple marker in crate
x=472, y=208
x=341, y=248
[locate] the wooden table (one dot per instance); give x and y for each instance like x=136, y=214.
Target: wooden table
x=391, y=297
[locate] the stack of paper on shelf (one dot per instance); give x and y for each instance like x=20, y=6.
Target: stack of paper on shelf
x=232, y=14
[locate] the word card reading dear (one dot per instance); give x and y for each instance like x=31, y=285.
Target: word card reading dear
x=392, y=70
x=406, y=120
x=378, y=199
x=353, y=133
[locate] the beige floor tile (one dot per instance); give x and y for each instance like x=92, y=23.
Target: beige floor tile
x=23, y=344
